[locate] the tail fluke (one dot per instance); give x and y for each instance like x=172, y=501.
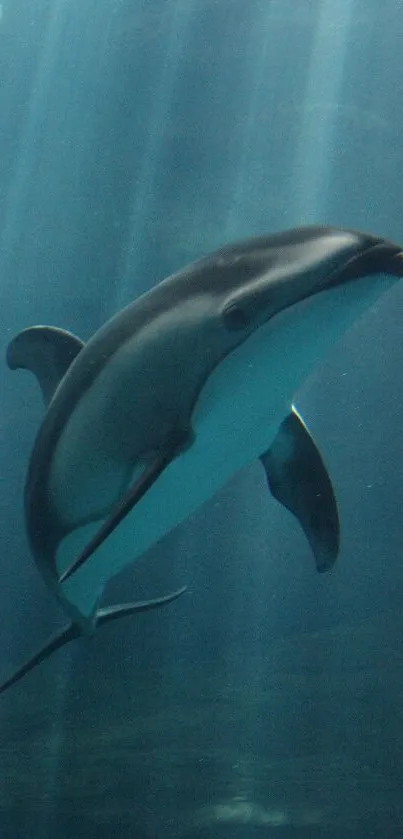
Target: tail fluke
x=112, y=613
x=72, y=631
x=56, y=641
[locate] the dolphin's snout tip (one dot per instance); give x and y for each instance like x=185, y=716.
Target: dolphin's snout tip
x=397, y=262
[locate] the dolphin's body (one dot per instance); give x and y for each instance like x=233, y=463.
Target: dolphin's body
x=175, y=394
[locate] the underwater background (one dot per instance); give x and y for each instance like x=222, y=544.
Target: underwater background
x=136, y=136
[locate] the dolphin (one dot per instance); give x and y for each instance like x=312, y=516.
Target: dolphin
x=171, y=397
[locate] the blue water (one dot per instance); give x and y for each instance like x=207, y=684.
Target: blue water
x=267, y=702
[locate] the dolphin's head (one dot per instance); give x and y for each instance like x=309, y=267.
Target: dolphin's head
x=269, y=274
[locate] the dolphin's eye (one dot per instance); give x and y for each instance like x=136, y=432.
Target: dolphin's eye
x=235, y=317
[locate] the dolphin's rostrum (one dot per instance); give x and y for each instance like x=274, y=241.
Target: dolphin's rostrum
x=176, y=393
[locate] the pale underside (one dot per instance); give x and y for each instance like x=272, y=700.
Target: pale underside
x=236, y=418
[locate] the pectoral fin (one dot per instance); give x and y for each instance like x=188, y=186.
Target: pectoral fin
x=122, y=508
x=47, y=352
x=298, y=479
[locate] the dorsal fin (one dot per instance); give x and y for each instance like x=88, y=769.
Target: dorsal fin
x=47, y=352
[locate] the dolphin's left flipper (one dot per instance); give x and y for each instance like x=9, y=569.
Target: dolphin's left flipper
x=112, y=613
x=122, y=508
x=298, y=479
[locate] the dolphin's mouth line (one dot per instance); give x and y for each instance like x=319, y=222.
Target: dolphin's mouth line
x=395, y=253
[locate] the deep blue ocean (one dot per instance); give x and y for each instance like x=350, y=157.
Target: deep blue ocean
x=137, y=136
